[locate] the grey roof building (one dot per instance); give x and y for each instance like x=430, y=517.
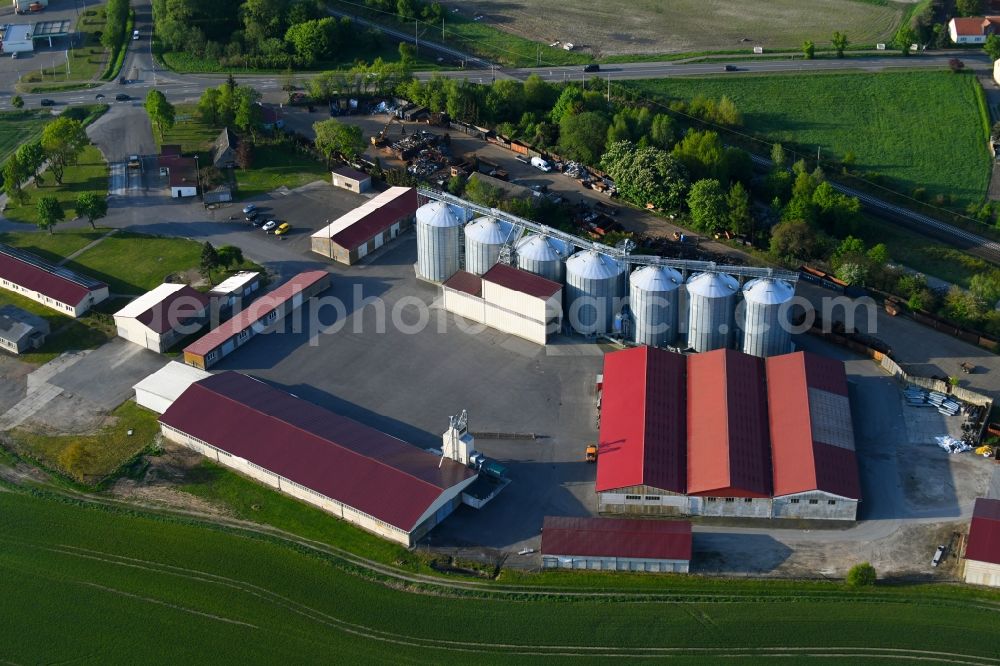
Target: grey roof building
x=224, y=149
x=21, y=331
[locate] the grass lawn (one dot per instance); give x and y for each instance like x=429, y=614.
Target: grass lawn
x=86, y=61
x=134, y=263
x=91, y=458
x=75, y=575
x=919, y=129
x=54, y=246
x=17, y=127
x=89, y=174
x=274, y=166
x=190, y=131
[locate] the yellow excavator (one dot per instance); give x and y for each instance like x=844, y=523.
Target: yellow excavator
x=985, y=450
x=379, y=139
x=591, y=453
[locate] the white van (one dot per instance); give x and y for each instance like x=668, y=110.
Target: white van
x=541, y=164
x=135, y=35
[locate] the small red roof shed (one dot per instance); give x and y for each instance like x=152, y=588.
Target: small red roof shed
x=617, y=537
x=984, y=532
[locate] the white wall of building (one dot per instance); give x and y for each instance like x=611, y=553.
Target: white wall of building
x=71, y=310
x=598, y=563
x=464, y=305
x=982, y=573
x=184, y=191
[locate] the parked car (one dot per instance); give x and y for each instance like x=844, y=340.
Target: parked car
x=592, y=67
x=282, y=229
x=249, y=208
x=47, y=102
x=938, y=556
x=99, y=96
x=257, y=221
x=251, y=216
x=269, y=225
x=135, y=35
x=122, y=97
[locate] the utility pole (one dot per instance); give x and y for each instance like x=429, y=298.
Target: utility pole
x=609, y=87
x=817, y=155
x=416, y=35
x=442, y=30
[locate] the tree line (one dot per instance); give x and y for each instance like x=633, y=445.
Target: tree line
x=266, y=34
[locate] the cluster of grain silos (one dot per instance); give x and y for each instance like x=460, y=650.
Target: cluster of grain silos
x=595, y=288
x=765, y=322
x=543, y=255
x=654, y=303
x=485, y=238
x=439, y=240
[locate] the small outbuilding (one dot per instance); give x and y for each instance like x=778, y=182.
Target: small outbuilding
x=507, y=299
x=160, y=318
x=616, y=544
x=982, y=552
x=17, y=39
x=235, y=291
x=159, y=390
x=368, y=227
x=21, y=331
x=224, y=149
x=351, y=179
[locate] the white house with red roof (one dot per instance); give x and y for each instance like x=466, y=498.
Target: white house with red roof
x=59, y=288
x=972, y=29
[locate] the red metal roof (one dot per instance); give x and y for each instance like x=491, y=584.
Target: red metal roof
x=522, y=281
x=643, y=423
x=970, y=26
x=254, y=312
x=728, y=449
x=465, y=282
x=331, y=454
x=984, y=532
x=36, y=274
x=799, y=462
x=175, y=310
x=378, y=220
x=616, y=537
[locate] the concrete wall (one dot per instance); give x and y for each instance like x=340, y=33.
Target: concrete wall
x=982, y=573
x=509, y=321
x=291, y=488
x=815, y=506
x=595, y=563
x=644, y=500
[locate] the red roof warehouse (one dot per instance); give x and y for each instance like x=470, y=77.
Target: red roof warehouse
x=356, y=472
x=58, y=288
x=726, y=433
x=982, y=552
x=616, y=543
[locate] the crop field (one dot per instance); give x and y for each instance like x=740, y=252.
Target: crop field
x=884, y=119
x=614, y=27
x=111, y=585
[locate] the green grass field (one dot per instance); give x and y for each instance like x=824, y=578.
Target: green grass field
x=54, y=246
x=89, y=174
x=86, y=59
x=190, y=131
x=133, y=263
x=92, y=457
x=919, y=129
x=112, y=585
x=17, y=127
x=274, y=166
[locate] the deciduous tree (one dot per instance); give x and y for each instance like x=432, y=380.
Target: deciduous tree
x=50, y=213
x=582, y=136
x=92, y=206
x=63, y=140
x=808, y=50
x=707, y=203
x=161, y=112
x=992, y=46
x=839, y=42
x=335, y=138
x=738, y=205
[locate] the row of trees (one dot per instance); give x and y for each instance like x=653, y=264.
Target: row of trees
x=231, y=105
x=116, y=13
x=60, y=145
x=378, y=78
x=257, y=33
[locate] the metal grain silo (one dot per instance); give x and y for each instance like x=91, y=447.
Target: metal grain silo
x=543, y=256
x=439, y=240
x=711, y=311
x=595, y=286
x=484, y=238
x=654, y=300
x=765, y=322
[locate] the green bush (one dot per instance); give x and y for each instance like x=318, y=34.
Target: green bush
x=861, y=575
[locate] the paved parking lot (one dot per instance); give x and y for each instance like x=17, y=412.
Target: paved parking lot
x=408, y=383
